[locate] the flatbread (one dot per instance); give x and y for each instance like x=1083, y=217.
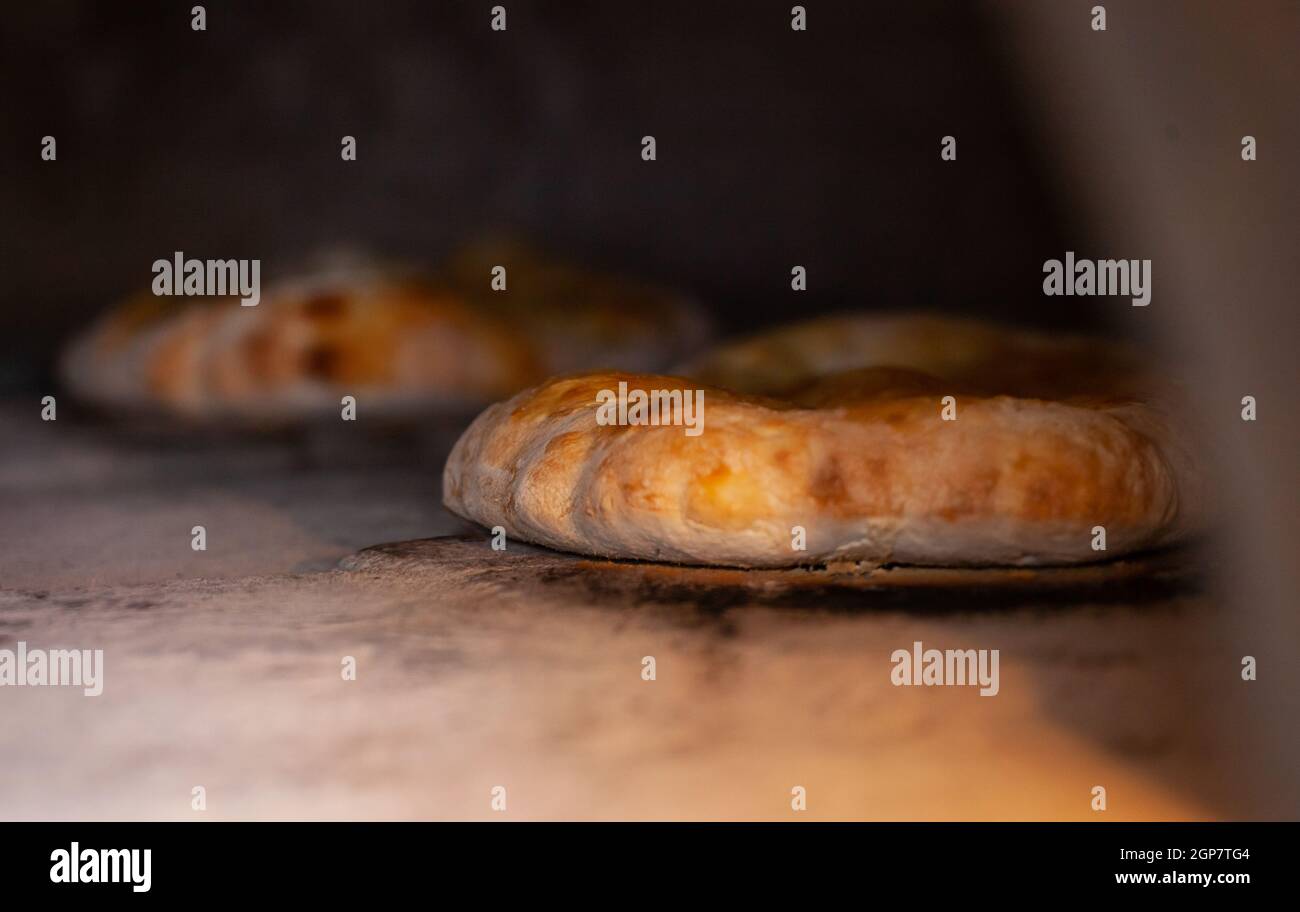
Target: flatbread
x=832, y=436
x=396, y=340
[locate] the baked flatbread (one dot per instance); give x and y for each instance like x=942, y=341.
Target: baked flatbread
x=837, y=428
x=395, y=340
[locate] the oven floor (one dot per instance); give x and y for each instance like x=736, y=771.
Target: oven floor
x=523, y=668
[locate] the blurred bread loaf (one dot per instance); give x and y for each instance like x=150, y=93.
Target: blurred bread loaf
x=395, y=339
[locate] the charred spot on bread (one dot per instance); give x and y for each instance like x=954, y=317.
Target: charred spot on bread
x=322, y=362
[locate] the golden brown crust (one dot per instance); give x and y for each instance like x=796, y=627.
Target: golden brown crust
x=861, y=460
